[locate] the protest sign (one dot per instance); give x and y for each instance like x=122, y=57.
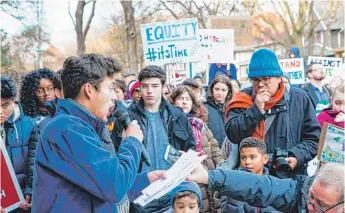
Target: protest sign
x=216, y=46
x=170, y=42
x=331, y=144
x=330, y=64
x=295, y=68
x=243, y=26
x=10, y=193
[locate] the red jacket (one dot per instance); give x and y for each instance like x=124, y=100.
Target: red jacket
x=328, y=115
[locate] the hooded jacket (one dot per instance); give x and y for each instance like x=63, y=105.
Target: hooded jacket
x=284, y=195
x=74, y=172
x=235, y=206
x=17, y=131
x=294, y=127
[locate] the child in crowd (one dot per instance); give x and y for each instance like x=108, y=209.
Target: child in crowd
x=186, y=198
x=335, y=114
x=253, y=158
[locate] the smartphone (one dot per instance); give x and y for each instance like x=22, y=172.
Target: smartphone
x=171, y=155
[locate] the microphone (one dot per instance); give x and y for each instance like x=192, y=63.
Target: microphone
x=123, y=117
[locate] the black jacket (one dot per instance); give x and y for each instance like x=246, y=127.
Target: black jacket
x=294, y=128
x=311, y=93
x=179, y=129
x=216, y=121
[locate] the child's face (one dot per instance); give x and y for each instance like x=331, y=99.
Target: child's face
x=253, y=160
x=338, y=102
x=186, y=204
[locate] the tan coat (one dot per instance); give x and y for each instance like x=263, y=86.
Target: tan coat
x=211, y=147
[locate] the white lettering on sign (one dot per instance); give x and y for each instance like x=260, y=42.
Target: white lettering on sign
x=2, y=194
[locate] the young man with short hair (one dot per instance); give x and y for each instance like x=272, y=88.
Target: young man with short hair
x=317, y=93
x=162, y=123
x=73, y=170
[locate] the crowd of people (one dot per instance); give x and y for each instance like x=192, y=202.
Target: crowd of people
x=71, y=152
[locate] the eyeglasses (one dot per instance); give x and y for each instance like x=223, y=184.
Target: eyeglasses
x=256, y=81
x=317, y=207
x=40, y=91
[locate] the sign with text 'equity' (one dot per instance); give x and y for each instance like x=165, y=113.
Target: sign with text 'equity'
x=243, y=26
x=216, y=46
x=10, y=193
x=295, y=68
x=170, y=42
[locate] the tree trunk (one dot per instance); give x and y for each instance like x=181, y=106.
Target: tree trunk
x=79, y=27
x=132, y=57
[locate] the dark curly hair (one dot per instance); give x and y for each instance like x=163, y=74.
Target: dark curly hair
x=153, y=71
x=252, y=142
x=88, y=68
x=29, y=86
x=57, y=80
x=198, y=109
x=8, y=88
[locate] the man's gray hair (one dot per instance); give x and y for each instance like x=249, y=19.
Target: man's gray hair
x=332, y=174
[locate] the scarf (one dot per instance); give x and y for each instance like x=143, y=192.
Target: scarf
x=244, y=101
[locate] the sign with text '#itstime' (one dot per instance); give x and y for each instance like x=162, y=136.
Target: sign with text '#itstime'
x=331, y=144
x=170, y=42
x=216, y=46
x=295, y=69
x=10, y=193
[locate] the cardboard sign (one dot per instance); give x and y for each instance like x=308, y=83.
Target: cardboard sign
x=243, y=26
x=331, y=144
x=170, y=42
x=330, y=64
x=10, y=193
x=216, y=46
x=295, y=68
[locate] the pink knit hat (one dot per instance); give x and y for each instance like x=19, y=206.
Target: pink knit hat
x=133, y=85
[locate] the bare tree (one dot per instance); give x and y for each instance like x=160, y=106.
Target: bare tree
x=78, y=23
x=131, y=34
x=295, y=26
x=201, y=10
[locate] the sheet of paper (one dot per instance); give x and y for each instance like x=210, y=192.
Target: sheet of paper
x=175, y=175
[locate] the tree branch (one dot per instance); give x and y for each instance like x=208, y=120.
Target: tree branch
x=69, y=12
x=169, y=9
x=87, y=26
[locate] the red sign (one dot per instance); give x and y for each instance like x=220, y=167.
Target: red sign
x=10, y=192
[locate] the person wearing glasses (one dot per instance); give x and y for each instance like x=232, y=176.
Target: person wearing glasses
x=37, y=88
x=317, y=93
x=321, y=193
x=282, y=117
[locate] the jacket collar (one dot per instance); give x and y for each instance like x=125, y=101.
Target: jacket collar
x=211, y=102
x=71, y=107
x=164, y=106
x=17, y=114
x=51, y=106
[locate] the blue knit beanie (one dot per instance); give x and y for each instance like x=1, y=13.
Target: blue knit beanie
x=187, y=186
x=264, y=63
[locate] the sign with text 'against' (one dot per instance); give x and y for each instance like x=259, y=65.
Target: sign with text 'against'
x=295, y=68
x=330, y=64
x=170, y=42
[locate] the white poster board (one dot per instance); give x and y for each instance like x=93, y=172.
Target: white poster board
x=295, y=68
x=216, y=46
x=331, y=65
x=332, y=144
x=170, y=42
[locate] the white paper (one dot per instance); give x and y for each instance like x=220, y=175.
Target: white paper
x=175, y=175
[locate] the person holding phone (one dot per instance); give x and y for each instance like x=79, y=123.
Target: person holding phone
x=282, y=117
